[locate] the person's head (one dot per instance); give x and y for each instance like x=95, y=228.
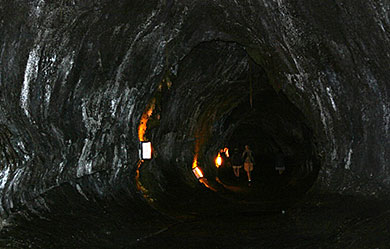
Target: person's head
x=247, y=147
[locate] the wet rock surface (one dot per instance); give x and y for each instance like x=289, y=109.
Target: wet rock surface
x=76, y=79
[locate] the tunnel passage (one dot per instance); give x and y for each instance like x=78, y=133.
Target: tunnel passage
x=273, y=128
x=76, y=78
x=219, y=97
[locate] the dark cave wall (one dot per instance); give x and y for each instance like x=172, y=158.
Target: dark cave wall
x=75, y=79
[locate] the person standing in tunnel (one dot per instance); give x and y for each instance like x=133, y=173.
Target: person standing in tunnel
x=237, y=162
x=249, y=160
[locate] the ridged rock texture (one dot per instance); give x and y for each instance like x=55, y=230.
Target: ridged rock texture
x=77, y=77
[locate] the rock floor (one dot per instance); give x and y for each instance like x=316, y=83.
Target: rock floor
x=316, y=220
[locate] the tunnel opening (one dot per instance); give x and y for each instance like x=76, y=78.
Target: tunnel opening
x=220, y=98
x=275, y=130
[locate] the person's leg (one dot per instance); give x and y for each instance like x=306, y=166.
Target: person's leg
x=250, y=168
x=246, y=168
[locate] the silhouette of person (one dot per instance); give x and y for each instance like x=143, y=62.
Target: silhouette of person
x=237, y=162
x=249, y=160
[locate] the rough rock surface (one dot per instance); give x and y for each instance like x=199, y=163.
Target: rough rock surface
x=76, y=78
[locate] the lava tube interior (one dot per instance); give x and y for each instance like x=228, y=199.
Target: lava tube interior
x=121, y=121
x=241, y=108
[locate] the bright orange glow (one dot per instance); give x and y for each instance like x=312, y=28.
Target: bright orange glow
x=197, y=172
x=144, y=120
x=218, y=160
x=139, y=185
x=206, y=184
x=226, y=150
x=195, y=163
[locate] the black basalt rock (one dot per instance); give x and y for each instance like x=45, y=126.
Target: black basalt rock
x=307, y=77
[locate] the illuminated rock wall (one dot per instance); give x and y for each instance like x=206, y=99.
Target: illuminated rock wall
x=75, y=79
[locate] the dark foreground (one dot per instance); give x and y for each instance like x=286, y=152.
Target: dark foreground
x=322, y=221
x=318, y=220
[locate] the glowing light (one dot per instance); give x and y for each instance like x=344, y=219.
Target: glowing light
x=144, y=120
x=195, y=169
x=226, y=151
x=206, y=184
x=145, y=151
x=218, y=160
x=195, y=162
x=197, y=172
